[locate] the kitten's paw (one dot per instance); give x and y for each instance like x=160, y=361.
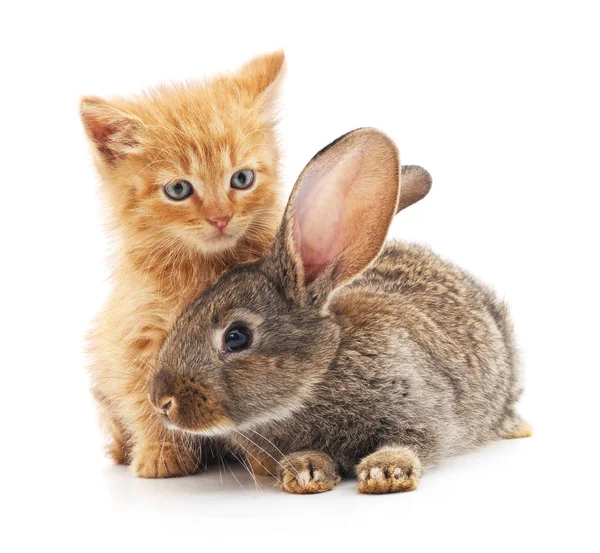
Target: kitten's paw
x=389, y=470
x=164, y=460
x=119, y=452
x=307, y=472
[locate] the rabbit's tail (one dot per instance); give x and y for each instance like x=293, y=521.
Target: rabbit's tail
x=512, y=425
x=515, y=427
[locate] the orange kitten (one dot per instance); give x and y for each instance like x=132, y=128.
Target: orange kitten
x=190, y=175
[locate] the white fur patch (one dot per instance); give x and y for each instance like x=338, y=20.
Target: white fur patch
x=303, y=478
x=377, y=474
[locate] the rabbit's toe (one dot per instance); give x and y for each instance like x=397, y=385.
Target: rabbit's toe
x=164, y=460
x=389, y=470
x=307, y=472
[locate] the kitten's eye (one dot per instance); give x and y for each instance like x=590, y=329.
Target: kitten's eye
x=179, y=190
x=242, y=179
x=237, y=338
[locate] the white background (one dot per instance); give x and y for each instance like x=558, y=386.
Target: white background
x=499, y=102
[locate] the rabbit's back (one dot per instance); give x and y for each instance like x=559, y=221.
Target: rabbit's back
x=424, y=319
x=443, y=305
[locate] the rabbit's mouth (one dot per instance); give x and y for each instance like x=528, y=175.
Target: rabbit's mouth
x=218, y=429
x=185, y=405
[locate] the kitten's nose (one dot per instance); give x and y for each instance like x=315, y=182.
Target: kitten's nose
x=220, y=222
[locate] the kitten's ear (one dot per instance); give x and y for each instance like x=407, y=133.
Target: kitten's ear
x=262, y=75
x=416, y=184
x=114, y=133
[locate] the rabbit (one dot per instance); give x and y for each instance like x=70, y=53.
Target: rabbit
x=337, y=354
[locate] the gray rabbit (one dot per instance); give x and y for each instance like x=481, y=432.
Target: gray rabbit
x=337, y=354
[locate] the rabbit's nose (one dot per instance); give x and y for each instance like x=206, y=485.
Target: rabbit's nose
x=162, y=390
x=167, y=405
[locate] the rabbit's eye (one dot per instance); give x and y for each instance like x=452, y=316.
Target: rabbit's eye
x=242, y=179
x=179, y=190
x=237, y=338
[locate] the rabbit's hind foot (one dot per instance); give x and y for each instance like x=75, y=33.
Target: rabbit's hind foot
x=515, y=427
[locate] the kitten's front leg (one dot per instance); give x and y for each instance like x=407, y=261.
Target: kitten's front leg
x=392, y=468
x=163, y=453
x=119, y=447
x=121, y=373
x=167, y=458
x=307, y=472
x=157, y=451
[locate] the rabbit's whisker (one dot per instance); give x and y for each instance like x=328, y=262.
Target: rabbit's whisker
x=264, y=451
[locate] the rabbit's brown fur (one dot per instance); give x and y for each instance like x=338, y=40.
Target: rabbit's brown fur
x=411, y=361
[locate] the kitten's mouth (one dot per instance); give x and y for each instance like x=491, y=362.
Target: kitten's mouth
x=224, y=236
x=215, y=243
x=211, y=241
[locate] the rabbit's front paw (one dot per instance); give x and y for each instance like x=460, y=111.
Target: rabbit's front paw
x=389, y=470
x=307, y=472
x=164, y=460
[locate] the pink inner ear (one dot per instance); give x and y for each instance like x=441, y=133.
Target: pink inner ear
x=100, y=129
x=323, y=210
x=114, y=132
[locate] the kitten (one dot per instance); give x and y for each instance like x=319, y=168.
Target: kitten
x=190, y=174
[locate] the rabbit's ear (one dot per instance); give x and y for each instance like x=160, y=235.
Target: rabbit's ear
x=416, y=184
x=339, y=212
